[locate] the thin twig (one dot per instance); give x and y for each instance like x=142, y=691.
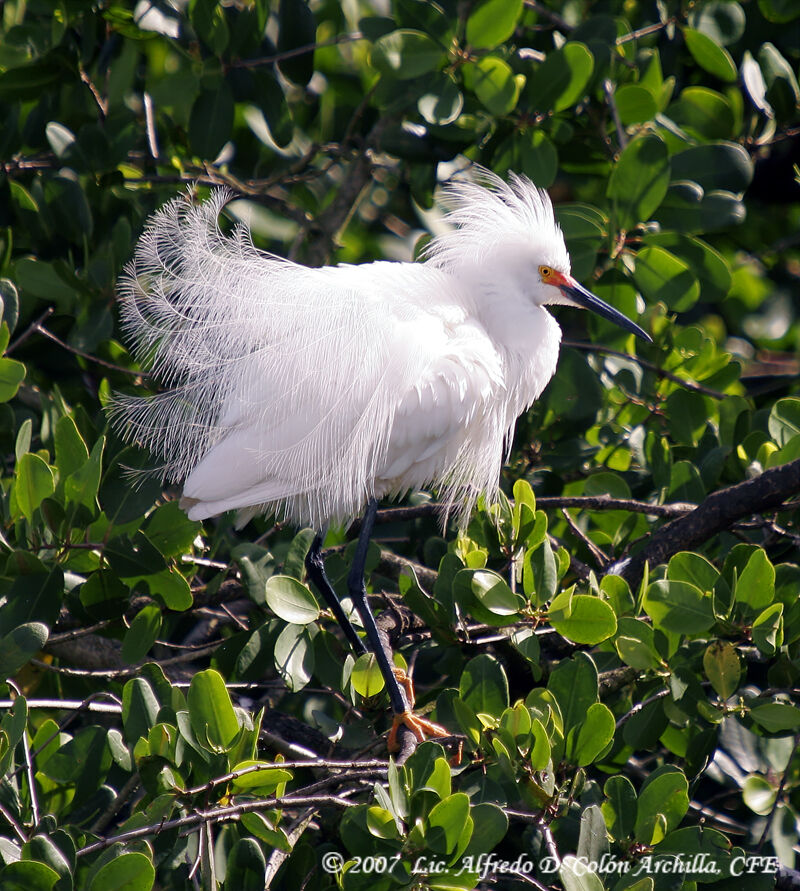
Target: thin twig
x=20, y=832
x=216, y=815
x=598, y=553
x=297, y=51
x=650, y=366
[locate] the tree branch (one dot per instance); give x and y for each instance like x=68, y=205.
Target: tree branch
x=718, y=512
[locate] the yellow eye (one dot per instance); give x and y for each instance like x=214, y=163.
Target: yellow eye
x=545, y=272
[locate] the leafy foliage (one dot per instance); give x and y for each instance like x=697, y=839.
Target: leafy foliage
x=619, y=668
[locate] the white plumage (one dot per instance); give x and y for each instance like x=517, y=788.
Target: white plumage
x=306, y=392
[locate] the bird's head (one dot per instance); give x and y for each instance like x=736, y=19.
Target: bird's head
x=508, y=229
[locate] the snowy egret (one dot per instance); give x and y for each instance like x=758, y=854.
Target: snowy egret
x=312, y=393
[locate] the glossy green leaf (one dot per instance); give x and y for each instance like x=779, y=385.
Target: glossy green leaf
x=131, y=871
x=291, y=600
x=211, y=121
x=777, y=717
x=768, y=631
x=665, y=794
x=639, y=180
x=294, y=656
x=784, y=420
x=710, y=55
x=705, y=112
x=266, y=778
x=661, y=276
x=366, y=676
x=210, y=710
x=446, y=822
x=717, y=165
x=28, y=875
x=406, y=53
x=142, y=634
x=582, y=618
x=20, y=645
x=619, y=808
x=34, y=482
x=678, y=607
x=722, y=668
x=756, y=583
x=495, y=85
x=491, y=22
x=484, y=685
x=635, y=104
x=594, y=735
x=12, y=374
x=560, y=81
x=297, y=28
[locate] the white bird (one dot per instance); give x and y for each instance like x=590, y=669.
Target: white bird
x=311, y=394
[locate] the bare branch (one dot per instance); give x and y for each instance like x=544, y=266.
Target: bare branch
x=718, y=512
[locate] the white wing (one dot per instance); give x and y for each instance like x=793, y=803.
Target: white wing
x=300, y=390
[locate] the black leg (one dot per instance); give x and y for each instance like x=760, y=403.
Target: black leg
x=315, y=567
x=358, y=593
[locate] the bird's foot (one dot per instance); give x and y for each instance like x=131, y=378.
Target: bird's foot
x=419, y=726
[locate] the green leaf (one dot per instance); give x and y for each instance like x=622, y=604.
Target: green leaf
x=664, y=794
x=448, y=817
x=83, y=484
x=704, y=112
x=575, y=877
x=636, y=645
x=142, y=634
x=211, y=121
x=767, y=630
x=561, y=80
x=294, y=656
x=492, y=22
x=131, y=871
x=366, y=676
x=722, y=668
x=687, y=208
x=758, y=794
x=777, y=717
x=686, y=566
x=582, y=618
x=71, y=451
x=442, y=103
x=619, y=808
x=19, y=646
x=779, y=11
x=661, y=276
x=756, y=583
x=291, y=600
x=678, y=607
x=28, y=875
x=296, y=28
x=495, y=84
x=139, y=709
x=489, y=591
x=716, y=165
x=406, y=53
x=34, y=482
x=639, y=180
x=594, y=735
x=635, y=104
x=573, y=682
x=710, y=56
x=210, y=710
x=484, y=685
x=266, y=779
x=721, y=20
x=784, y=420
x=12, y=374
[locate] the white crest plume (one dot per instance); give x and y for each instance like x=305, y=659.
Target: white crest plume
x=305, y=392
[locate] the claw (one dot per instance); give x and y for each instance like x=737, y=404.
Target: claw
x=419, y=726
